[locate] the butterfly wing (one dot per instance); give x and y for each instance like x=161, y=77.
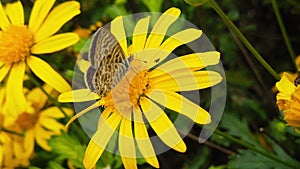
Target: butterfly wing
x=108, y=63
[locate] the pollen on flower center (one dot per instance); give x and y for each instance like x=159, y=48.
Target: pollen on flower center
x=138, y=87
x=15, y=43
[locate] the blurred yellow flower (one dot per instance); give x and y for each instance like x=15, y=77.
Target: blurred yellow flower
x=148, y=85
x=29, y=128
x=288, y=99
x=18, y=43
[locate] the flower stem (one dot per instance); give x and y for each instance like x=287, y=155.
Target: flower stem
x=243, y=39
x=253, y=148
x=283, y=31
x=53, y=100
x=11, y=132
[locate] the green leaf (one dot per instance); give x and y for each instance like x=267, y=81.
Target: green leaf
x=66, y=147
x=116, y=10
x=238, y=127
x=54, y=165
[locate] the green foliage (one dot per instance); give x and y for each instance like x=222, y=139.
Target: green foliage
x=66, y=147
x=153, y=5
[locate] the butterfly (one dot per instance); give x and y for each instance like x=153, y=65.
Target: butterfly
x=108, y=63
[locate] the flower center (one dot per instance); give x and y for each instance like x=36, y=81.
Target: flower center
x=15, y=43
x=26, y=120
x=139, y=85
x=130, y=90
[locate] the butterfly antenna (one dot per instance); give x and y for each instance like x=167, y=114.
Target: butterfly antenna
x=91, y=107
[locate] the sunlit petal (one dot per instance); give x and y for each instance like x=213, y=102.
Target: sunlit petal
x=126, y=144
x=38, y=13
x=139, y=34
x=180, y=38
x=143, y=140
x=79, y=95
x=4, y=22
x=100, y=139
x=57, y=18
x=194, y=61
x=15, y=13
x=177, y=79
x=117, y=29
x=4, y=70
x=182, y=105
x=285, y=86
x=14, y=92
x=46, y=73
x=161, y=26
x=55, y=43
x=162, y=126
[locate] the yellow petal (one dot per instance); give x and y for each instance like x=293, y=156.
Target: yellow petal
x=117, y=29
x=143, y=140
x=38, y=97
x=129, y=162
x=161, y=26
x=126, y=144
x=57, y=18
x=1, y=155
x=51, y=124
x=139, y=34
x=42, y=137
x=100, y=139
x=28, y=143
x=4, y=22
x=184, y=80
x=162, y=126
x=38, y=13
x=46, y=73
x=92, y=154
x=180, y=38
x=54, y=112
x=83, y=65
x=80, y=95
x=14, y=92
x=4, y=70
x=15, y=13
x=194, y=61
x=182, y=105
x=55, y=43
x=285, y=86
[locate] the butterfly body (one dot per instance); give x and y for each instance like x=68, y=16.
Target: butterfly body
x=109, y=63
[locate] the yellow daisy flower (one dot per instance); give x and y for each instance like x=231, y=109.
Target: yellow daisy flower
x=9, y=139
x=19, y=42
x=149, y=84
x=288, y=99
x=38, y=126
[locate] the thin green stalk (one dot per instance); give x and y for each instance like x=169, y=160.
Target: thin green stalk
x=253, y=148
x=11, y=132
x=53, y=100
x=243, y=39
x=283, y=31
